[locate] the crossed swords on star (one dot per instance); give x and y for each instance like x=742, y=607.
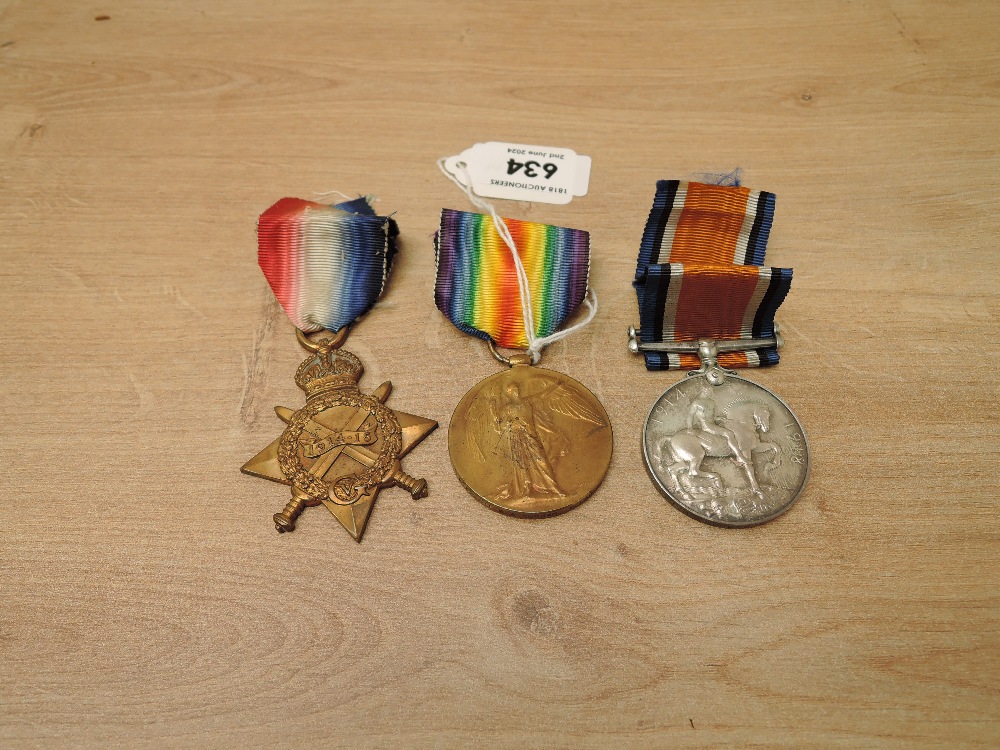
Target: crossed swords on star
x=349, y=439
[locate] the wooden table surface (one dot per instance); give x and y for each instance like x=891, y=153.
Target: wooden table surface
x=145, y=598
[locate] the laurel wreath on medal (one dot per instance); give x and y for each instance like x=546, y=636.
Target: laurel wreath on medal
x=347, y=489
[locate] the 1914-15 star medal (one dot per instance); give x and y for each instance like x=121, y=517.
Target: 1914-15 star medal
x=343, y=446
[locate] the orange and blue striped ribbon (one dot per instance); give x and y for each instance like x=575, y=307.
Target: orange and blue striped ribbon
x=325, y=264
x=700, y=273
x=477, y=287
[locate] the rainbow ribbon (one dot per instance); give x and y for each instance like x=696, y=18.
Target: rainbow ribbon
x=700, y=273
x=325, y=264
x=477, y=286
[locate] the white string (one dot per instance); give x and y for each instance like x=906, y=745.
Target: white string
x=535, y=344
x=328, y=193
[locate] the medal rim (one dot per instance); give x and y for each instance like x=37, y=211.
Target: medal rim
x=512, y=511
x=714, y=521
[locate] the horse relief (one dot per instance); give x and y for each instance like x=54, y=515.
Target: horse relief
x=732, y=437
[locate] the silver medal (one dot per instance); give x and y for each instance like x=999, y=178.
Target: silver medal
x=724, y=449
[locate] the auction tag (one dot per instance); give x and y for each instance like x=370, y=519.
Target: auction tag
x=518, y=172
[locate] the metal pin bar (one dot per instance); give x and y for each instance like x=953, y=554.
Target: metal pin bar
x=728, y=345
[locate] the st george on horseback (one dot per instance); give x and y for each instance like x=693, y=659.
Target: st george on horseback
x=736, y=435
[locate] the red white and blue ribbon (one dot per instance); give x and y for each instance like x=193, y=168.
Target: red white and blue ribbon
x=325, y=264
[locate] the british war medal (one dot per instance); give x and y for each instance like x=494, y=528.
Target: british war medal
x=327, y=265
x=722, y=448
x=526, y=441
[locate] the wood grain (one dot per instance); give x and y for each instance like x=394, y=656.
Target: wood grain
x=145, y=600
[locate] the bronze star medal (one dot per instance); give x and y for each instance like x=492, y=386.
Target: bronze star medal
x=343, y=446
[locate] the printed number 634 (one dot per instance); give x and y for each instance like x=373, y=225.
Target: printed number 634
x=531, y=168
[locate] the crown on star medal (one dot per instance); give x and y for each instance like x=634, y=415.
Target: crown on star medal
x=327, y=370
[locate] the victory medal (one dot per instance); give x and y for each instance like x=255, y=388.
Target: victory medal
x=723, y=449
x=526, y=441
x=327, y=265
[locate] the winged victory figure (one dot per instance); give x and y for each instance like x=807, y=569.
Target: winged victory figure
x=527, y=429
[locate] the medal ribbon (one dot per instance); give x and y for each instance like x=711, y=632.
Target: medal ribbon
x=700, y=273
x=325, y=264
x=477, y=280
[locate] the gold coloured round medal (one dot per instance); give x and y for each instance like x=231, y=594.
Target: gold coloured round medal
x=530, y=442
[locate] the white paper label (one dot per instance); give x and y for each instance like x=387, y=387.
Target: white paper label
x=518, y=172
